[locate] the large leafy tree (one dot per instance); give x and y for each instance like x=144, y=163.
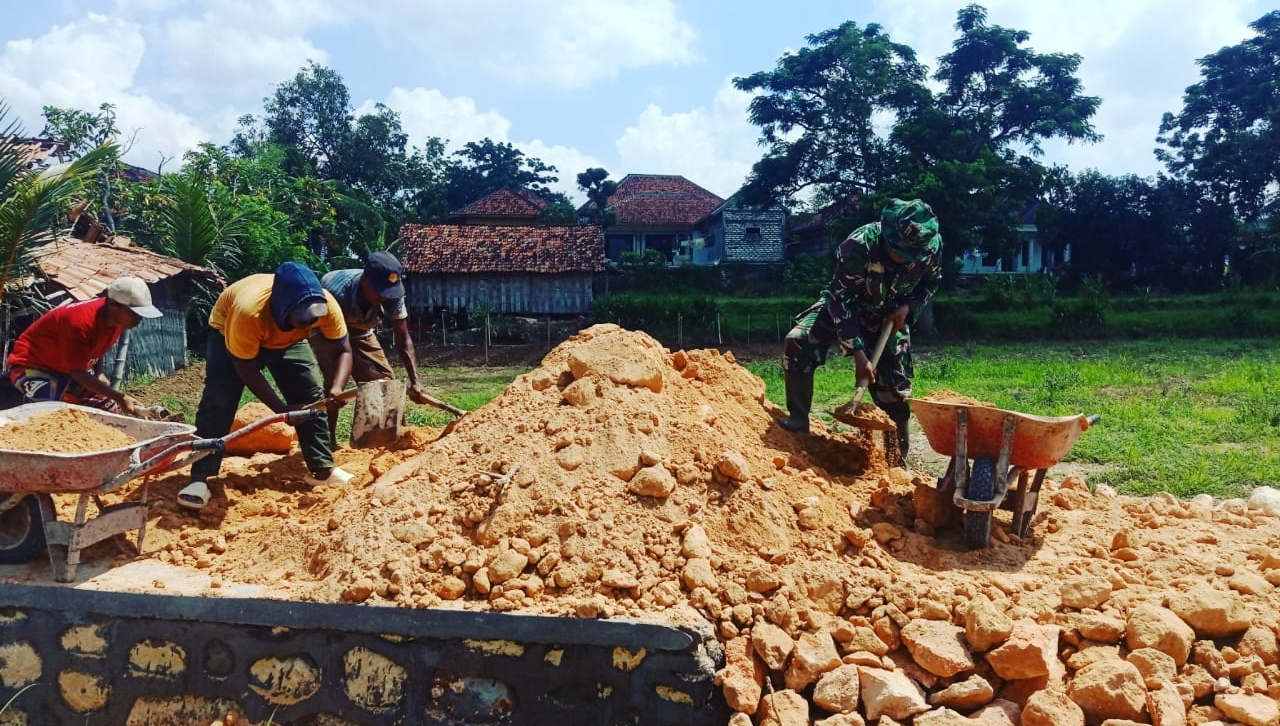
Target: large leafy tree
x=1227, y=135
x=83, y=131
x=34, y=202
x=377, y=180
x=852, y=114
x=483, y=167
x=818, y=112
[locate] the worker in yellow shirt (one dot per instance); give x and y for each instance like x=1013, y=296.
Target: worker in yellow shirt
x=262, y=322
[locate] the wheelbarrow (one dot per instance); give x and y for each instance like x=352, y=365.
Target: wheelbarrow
x=1005, y=447
x=28, y=479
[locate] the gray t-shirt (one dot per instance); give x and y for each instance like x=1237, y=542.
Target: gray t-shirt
x=345, y=287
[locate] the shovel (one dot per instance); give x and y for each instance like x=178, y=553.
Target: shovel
x=379, y=413
x=869, y=416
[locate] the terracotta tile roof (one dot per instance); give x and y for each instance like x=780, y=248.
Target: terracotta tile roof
x=85, y=269
x=458, y=248
x=504, y=203
x=655, y=200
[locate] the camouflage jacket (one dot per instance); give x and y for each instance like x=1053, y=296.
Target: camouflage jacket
x=868, y=286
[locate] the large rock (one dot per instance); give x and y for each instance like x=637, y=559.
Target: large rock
x=1109, y=689
x=1251, y=709
x=772, y=644
x=814, y=654
x=889, y=693
x=276, y=438
x=742, y=679
x=1165, y=706
x=1211, y=613
x=985, y=625
x=1026, y=654
x=937, y=647
x=784, y=708
x=1051, y=708
x=837, y=690
x=1151, y=626
x=966, y=695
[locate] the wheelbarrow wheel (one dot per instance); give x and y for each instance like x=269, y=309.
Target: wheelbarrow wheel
x=982, y=488
x=21, y=529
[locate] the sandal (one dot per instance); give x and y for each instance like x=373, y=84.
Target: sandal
x=194, y=496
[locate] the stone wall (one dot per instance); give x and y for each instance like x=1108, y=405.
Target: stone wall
x=77, y=656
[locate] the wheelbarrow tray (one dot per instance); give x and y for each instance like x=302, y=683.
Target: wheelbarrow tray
x=27, y=472
x=1039, y=442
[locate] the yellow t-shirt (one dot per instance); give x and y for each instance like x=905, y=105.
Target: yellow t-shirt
x=243, y=315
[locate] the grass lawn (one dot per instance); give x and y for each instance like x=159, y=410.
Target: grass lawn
x=1183, y=416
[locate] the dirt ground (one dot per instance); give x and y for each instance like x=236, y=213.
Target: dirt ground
x=622, y=479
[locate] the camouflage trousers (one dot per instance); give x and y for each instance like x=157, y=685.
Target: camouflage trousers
x=809, y=343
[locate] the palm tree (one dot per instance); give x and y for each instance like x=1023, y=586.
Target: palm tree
x=33, y=202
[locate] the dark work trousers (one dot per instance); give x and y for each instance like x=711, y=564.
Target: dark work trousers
x=297, y=376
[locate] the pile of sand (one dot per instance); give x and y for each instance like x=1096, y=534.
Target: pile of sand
x=62, y=431
x=622, y=479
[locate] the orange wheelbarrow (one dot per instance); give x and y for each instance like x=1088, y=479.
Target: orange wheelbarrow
x=1005, y=447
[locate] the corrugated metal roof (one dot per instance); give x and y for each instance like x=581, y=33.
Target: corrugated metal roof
x=85, y=269
x=458, y=248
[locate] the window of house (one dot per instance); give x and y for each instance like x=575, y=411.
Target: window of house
x=752, y=234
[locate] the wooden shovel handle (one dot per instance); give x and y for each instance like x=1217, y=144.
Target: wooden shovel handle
x=885, y=331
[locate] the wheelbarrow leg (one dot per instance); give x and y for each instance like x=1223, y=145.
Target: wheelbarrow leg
x=1027, y=500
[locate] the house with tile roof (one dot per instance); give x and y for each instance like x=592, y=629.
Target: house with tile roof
x=513, y=270
x=687, y=224
x=503, y=207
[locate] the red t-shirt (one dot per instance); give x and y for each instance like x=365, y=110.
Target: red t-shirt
x=68, y=338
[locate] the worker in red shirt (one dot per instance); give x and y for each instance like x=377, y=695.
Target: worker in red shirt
x=59, y=356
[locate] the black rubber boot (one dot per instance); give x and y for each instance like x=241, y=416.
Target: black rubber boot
x=900, y=412
x=799, y=401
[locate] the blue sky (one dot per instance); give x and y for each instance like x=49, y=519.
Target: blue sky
x=634, y=86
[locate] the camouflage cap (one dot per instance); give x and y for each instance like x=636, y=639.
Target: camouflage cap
x=910, y=229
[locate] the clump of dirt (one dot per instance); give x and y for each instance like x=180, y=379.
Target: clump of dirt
x=946, y=395
x=62, y=431
x=623, y=479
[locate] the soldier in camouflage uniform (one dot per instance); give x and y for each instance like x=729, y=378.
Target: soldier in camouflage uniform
x=885, y=273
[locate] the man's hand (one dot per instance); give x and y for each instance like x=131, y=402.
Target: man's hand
x=417, y=395
x=898, y=318
x=129, y=405
x=862, y=367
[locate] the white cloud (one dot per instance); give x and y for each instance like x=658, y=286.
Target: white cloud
x=230, y=61
x=713, y=148
x=566, y=43
x=426, y=112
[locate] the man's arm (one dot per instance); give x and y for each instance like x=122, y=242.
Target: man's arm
x=93, y=381
x=339, y=351
x=404, y=346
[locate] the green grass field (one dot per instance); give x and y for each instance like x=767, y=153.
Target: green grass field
x=1181, y=416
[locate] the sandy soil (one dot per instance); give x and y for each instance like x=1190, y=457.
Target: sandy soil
x=619, y=478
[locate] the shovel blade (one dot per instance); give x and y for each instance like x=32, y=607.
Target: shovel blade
x=864, y=416
x=378, y=414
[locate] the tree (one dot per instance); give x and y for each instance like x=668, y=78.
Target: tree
x=595, y=183
x=83, y=131
x=851, y=114
x=1227, y=135
x=378, y=182
x=486, y=166
x=818, y=108
x=558, y=211
x=34, y=202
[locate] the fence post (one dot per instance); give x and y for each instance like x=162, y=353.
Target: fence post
x=680, y=329
x=444, y=330
x=719, y=337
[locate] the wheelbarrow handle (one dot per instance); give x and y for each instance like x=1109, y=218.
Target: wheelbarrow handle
x=1092, y=420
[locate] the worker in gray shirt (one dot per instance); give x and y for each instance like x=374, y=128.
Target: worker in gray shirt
x=368, y=297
